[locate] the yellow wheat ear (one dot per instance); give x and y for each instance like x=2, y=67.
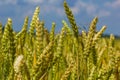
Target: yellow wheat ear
x=34, y=59
x=17, y=63
x=17, y=67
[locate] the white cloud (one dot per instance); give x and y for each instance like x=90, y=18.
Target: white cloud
x=47, y=6
x=83, y=6
x=53, y=1
x=91, y=9
x=78, y=7
x=75, y=10
x=114, y=4
x=43, y=2
x=27, y=13
x=60, y=12
x=52, y=9
x=4, y=2
x=34, y=1
x=103, y=13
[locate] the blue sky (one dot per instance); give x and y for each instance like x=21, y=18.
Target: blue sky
x=108, y=12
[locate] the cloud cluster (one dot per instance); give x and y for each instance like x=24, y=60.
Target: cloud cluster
x=34, y=1
x=50, y=6
x=18, y=9
x=91, y=9
x=4, y=2
x=103, y=13
x=114, y=4
x=83, y=6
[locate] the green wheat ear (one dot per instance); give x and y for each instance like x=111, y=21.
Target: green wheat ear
x=34, y=19
x=0, y=32
x=22, y=33
x=7, y=48
x=71, y=19
x=52, y=32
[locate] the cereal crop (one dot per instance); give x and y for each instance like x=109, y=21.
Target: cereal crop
x=35, y=53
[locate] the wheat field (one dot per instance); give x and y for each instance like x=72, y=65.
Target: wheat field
x=35, y=53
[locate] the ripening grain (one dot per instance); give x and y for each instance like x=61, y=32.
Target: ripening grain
x=39, y=54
